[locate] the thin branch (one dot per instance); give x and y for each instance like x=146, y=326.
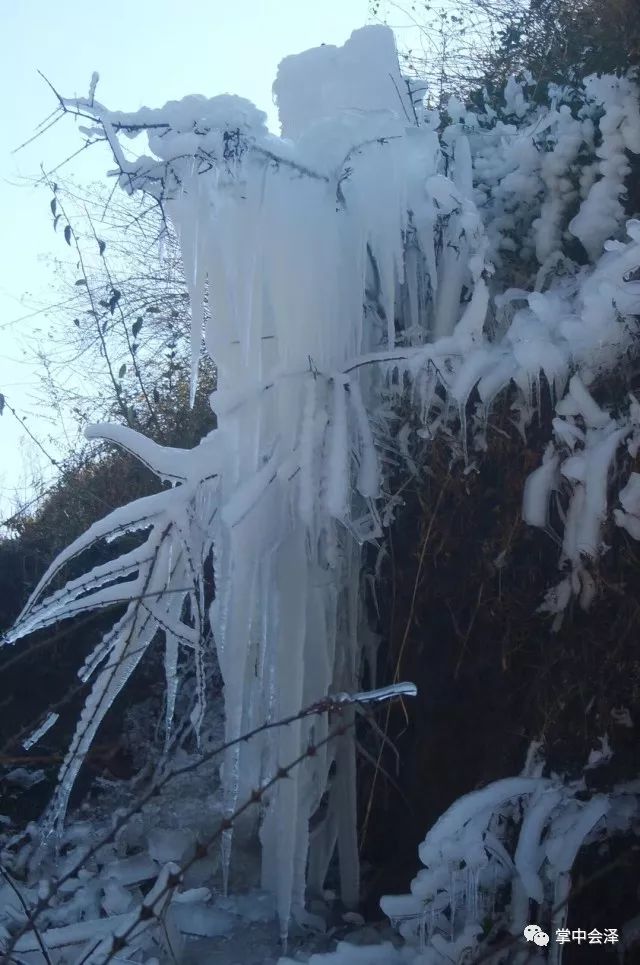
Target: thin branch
x=132, y=353
x=49, y=84
x=38, y=133
x=67, y=159
x=25, y=907
x=95, y=314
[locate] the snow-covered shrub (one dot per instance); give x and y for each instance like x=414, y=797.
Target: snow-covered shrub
x=546, y=175
x=584, y=465
x=500, y=849
x=358, y=259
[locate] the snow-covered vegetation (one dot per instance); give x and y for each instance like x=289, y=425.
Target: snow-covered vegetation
x=378, y=258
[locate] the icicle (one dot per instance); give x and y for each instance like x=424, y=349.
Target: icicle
x=347, y=824
x=538, y=487
x=338, y=456
x=453, y=901
x=307, y=454
x=369, y=472
x=171, y=677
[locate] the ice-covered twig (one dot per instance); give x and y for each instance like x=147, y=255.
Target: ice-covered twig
x=404, y=689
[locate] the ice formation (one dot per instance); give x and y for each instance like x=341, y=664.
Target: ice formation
x=358, y=257
x=499, y=848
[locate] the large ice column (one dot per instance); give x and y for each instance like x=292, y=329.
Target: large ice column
x=362, y=75
x=294, y=254
x=284, y=248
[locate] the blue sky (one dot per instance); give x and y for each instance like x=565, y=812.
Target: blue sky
x=147, y=52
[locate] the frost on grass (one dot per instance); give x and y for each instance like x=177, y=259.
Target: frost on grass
x=358, y=260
